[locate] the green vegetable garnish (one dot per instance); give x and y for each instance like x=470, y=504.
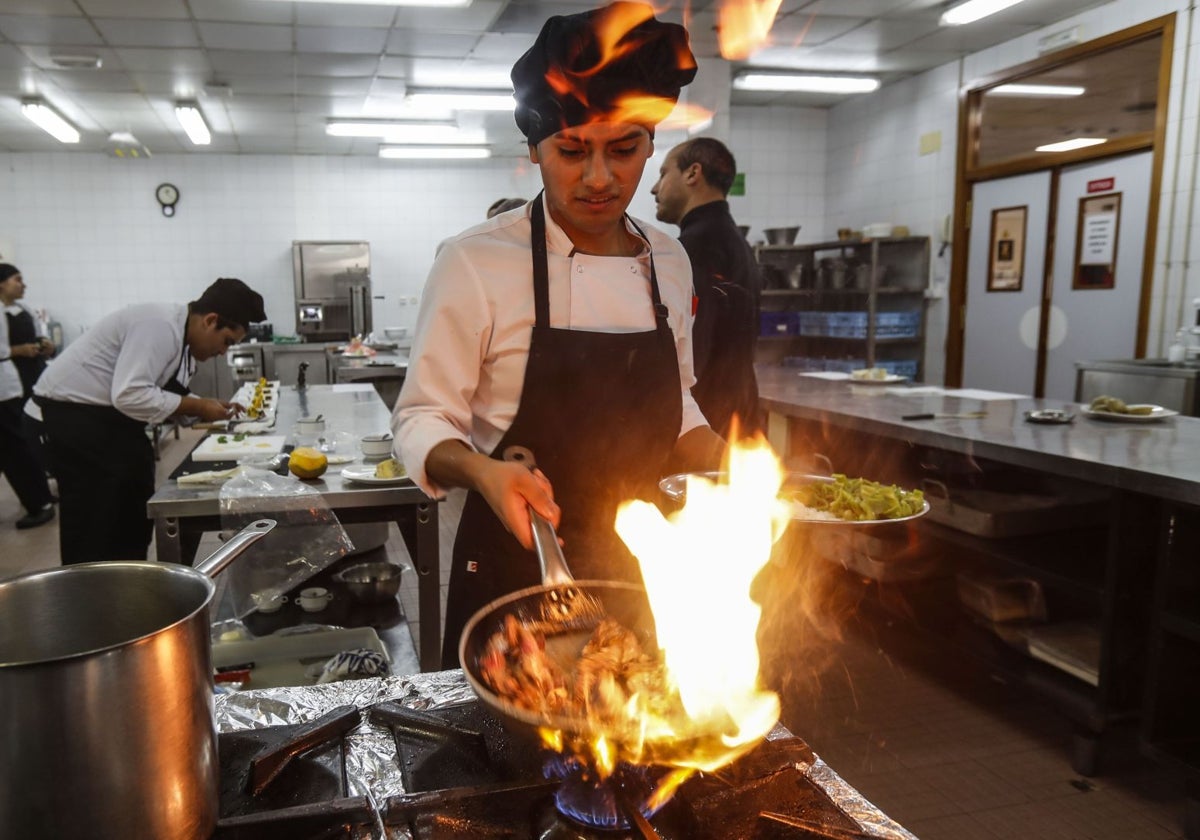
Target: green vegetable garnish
x=222, y=439
x=860, y=500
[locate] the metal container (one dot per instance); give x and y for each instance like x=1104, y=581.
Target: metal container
x=781, y=235
x=106, y=698
x=371, y=582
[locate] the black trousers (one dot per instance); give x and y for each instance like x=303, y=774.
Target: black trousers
x=17, y=461
x=104, y=464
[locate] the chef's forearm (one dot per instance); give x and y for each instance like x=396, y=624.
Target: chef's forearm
x=698, y=450
x=453, y=464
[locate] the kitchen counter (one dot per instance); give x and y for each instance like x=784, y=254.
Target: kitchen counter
x=1160, y=459
x=181, y=514
x=1104, y=572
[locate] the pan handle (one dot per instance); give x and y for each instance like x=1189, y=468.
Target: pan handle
x=236, y=544
x=545, y=539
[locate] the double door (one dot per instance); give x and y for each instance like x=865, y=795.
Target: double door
x=1055, y=274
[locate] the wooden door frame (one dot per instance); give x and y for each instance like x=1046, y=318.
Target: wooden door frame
x=968, y=173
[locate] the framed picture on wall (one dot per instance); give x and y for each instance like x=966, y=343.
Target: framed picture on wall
x=1096, y=242
x=1006, y=254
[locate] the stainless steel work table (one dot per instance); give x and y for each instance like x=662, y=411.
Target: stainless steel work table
x=1160, y=459
x=181, y=514
x=1132, y=570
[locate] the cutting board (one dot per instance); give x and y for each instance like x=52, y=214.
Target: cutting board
x=211, y=448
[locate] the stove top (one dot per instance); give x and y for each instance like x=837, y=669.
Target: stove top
x=465, y=776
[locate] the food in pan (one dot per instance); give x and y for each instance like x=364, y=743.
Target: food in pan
x=1117, y=406
x=611, y=670
x=859, y=499
x=389, y=468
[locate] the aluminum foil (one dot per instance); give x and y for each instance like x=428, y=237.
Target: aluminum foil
x=372, y=768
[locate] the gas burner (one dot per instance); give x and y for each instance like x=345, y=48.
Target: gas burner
x=608, y=804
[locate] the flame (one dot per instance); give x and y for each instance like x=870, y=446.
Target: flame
x=698, y=567
x=616, y=39
x=743, y=26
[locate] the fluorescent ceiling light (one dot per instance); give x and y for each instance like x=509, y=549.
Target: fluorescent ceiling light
x=434, y=152
x=463, y=100
x=393, y=131
x=193, y=123
x=445, y=4
x=974, y=10
x=808, y=82
x=49, y=121
x=1068, y=145
x=1038, y=90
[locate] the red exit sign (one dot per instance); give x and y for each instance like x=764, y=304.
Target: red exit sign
x=1101, y=185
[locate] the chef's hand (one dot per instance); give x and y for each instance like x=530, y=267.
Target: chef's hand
x=46, y=347
x=511, y=490
x=207, y=409
x=509, y=487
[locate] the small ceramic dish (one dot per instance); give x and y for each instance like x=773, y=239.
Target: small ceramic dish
x=1050, y=416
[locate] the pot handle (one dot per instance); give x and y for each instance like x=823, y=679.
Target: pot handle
x=236, y=544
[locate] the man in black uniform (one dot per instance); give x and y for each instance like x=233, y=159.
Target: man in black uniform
x=692, y=185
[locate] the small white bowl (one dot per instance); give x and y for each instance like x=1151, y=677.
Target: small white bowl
x=308, y=426
x=376, y=446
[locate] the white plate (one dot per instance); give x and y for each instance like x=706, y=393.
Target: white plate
x=890, y=379
x=365, y=474
x=1157, y=413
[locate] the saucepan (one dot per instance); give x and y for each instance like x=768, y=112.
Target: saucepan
x=106, y=696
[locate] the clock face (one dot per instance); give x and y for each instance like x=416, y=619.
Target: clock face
x=167, y=195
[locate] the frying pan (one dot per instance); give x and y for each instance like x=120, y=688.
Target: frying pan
x=627, y=604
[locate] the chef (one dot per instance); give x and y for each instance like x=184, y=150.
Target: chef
x=561, y=326
x=130, y=369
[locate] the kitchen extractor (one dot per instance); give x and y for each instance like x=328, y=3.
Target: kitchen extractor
x=333, y=289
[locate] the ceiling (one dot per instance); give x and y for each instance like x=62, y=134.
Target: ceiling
x=268, y=75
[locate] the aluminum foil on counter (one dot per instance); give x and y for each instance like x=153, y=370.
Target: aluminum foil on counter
x=372, y=768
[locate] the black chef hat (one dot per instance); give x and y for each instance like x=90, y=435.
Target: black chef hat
x=8, y=270
x=582, y=65
x=233, y=300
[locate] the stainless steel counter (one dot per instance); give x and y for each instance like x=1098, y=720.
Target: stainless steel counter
x=1160, y=459
x=180, y=514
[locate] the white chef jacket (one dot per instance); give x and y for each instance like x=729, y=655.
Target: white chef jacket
x=10, y=379
x=123, y=362
x=467, y=364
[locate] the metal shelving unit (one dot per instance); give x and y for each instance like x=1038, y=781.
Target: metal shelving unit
x=845, y=304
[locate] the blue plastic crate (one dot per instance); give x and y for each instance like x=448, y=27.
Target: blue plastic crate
x=897, y=324
x=900, y=367
x=844, y=365
x=848, y=324
x=778, y=323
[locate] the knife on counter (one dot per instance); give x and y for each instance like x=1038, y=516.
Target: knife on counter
x=965, y=415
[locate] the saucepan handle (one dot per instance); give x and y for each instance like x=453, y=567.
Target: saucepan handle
x=236, y=544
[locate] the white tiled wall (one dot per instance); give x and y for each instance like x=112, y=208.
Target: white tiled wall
x=89, y=236
x=875, y=172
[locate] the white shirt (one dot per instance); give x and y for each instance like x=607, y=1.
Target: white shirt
x=471, y=343
x=10, y=379
x=123, y=362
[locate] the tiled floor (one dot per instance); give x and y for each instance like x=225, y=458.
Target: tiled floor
x=946, y=750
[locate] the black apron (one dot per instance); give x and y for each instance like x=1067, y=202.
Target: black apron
x=104, y=463
x=601, y=413
x=21, y=330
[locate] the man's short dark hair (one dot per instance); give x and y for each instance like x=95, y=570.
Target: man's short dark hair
x=235, y=303
x=716, y=161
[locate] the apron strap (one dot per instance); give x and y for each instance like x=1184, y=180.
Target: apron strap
x=541, y=275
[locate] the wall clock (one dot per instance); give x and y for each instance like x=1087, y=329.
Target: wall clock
x=168, y=197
